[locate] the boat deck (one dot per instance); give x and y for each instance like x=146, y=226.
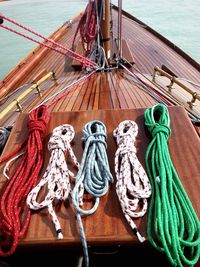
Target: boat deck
x=104, y=90
x=111, y=97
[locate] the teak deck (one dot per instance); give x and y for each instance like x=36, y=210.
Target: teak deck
x=107, y=226
x=103, y=90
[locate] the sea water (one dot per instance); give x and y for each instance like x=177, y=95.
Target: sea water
x=177, y=20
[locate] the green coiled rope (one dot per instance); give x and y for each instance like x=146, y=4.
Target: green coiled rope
x=173, y=226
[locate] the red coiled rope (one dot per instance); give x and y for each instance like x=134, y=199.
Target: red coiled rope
x=14, y=214
x=87, y=27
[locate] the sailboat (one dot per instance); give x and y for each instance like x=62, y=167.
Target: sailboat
x=103, y=67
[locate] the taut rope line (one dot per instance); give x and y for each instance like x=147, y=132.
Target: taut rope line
x=71, y=54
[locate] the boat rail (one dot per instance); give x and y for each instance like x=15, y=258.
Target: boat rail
x=34, y=86
x=173, y=79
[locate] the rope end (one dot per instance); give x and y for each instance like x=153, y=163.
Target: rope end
x=59, y=233
x=139, y=236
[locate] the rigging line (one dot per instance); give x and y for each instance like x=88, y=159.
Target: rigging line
x=166, y=99
x=87, y=28
x=17, y=89
x=154, y=84
x=71, y=87
x=98, y=50
x=193, y=83
x=152, y=93
x=162, y=95
x=38, y=42
x=175, y=102
x=78, y=57
x=120, y=28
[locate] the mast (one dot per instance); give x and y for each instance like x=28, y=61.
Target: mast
x=105, y=26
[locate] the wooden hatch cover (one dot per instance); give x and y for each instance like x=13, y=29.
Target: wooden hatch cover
x=108, y=225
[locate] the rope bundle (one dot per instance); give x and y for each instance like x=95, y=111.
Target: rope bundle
x=13, y=213
x=132, y=187
x=173, y=226
x=87, y=27
x=57, y=174
x=93, y=175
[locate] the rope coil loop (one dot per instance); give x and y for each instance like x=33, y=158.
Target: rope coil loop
x=132, y=187
x=57, y=175
x=93, y=176
x=173, y=226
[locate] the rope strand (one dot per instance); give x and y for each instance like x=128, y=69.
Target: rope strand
x=173, y=226
x=132, y=187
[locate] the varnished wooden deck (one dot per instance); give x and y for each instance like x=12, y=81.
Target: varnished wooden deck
x=104, y=90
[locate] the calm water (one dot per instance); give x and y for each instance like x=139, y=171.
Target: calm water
x=177, y=20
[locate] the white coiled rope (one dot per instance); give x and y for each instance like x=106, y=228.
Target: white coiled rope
x=93, y=176
x=57, y=175
x=132, y=187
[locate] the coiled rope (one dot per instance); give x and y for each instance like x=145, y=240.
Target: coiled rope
x=94, y=174
x=14, y=215
x=4, y=134
x=87, y=27
x=173, y=226
x=57, y=175
x=132, y=187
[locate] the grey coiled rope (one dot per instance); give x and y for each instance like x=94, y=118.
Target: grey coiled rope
x=93, y=176
x=4, y=134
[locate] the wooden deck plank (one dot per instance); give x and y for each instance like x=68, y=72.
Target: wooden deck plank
x=116, y=83
x=104, y=93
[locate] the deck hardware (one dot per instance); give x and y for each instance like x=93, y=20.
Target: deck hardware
x=38, y=90
x=170, y=86
x=15, y=102
x=154, y=74
x=20, y=109
x=54, y=76
x=192, y=102
x=175, y=80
